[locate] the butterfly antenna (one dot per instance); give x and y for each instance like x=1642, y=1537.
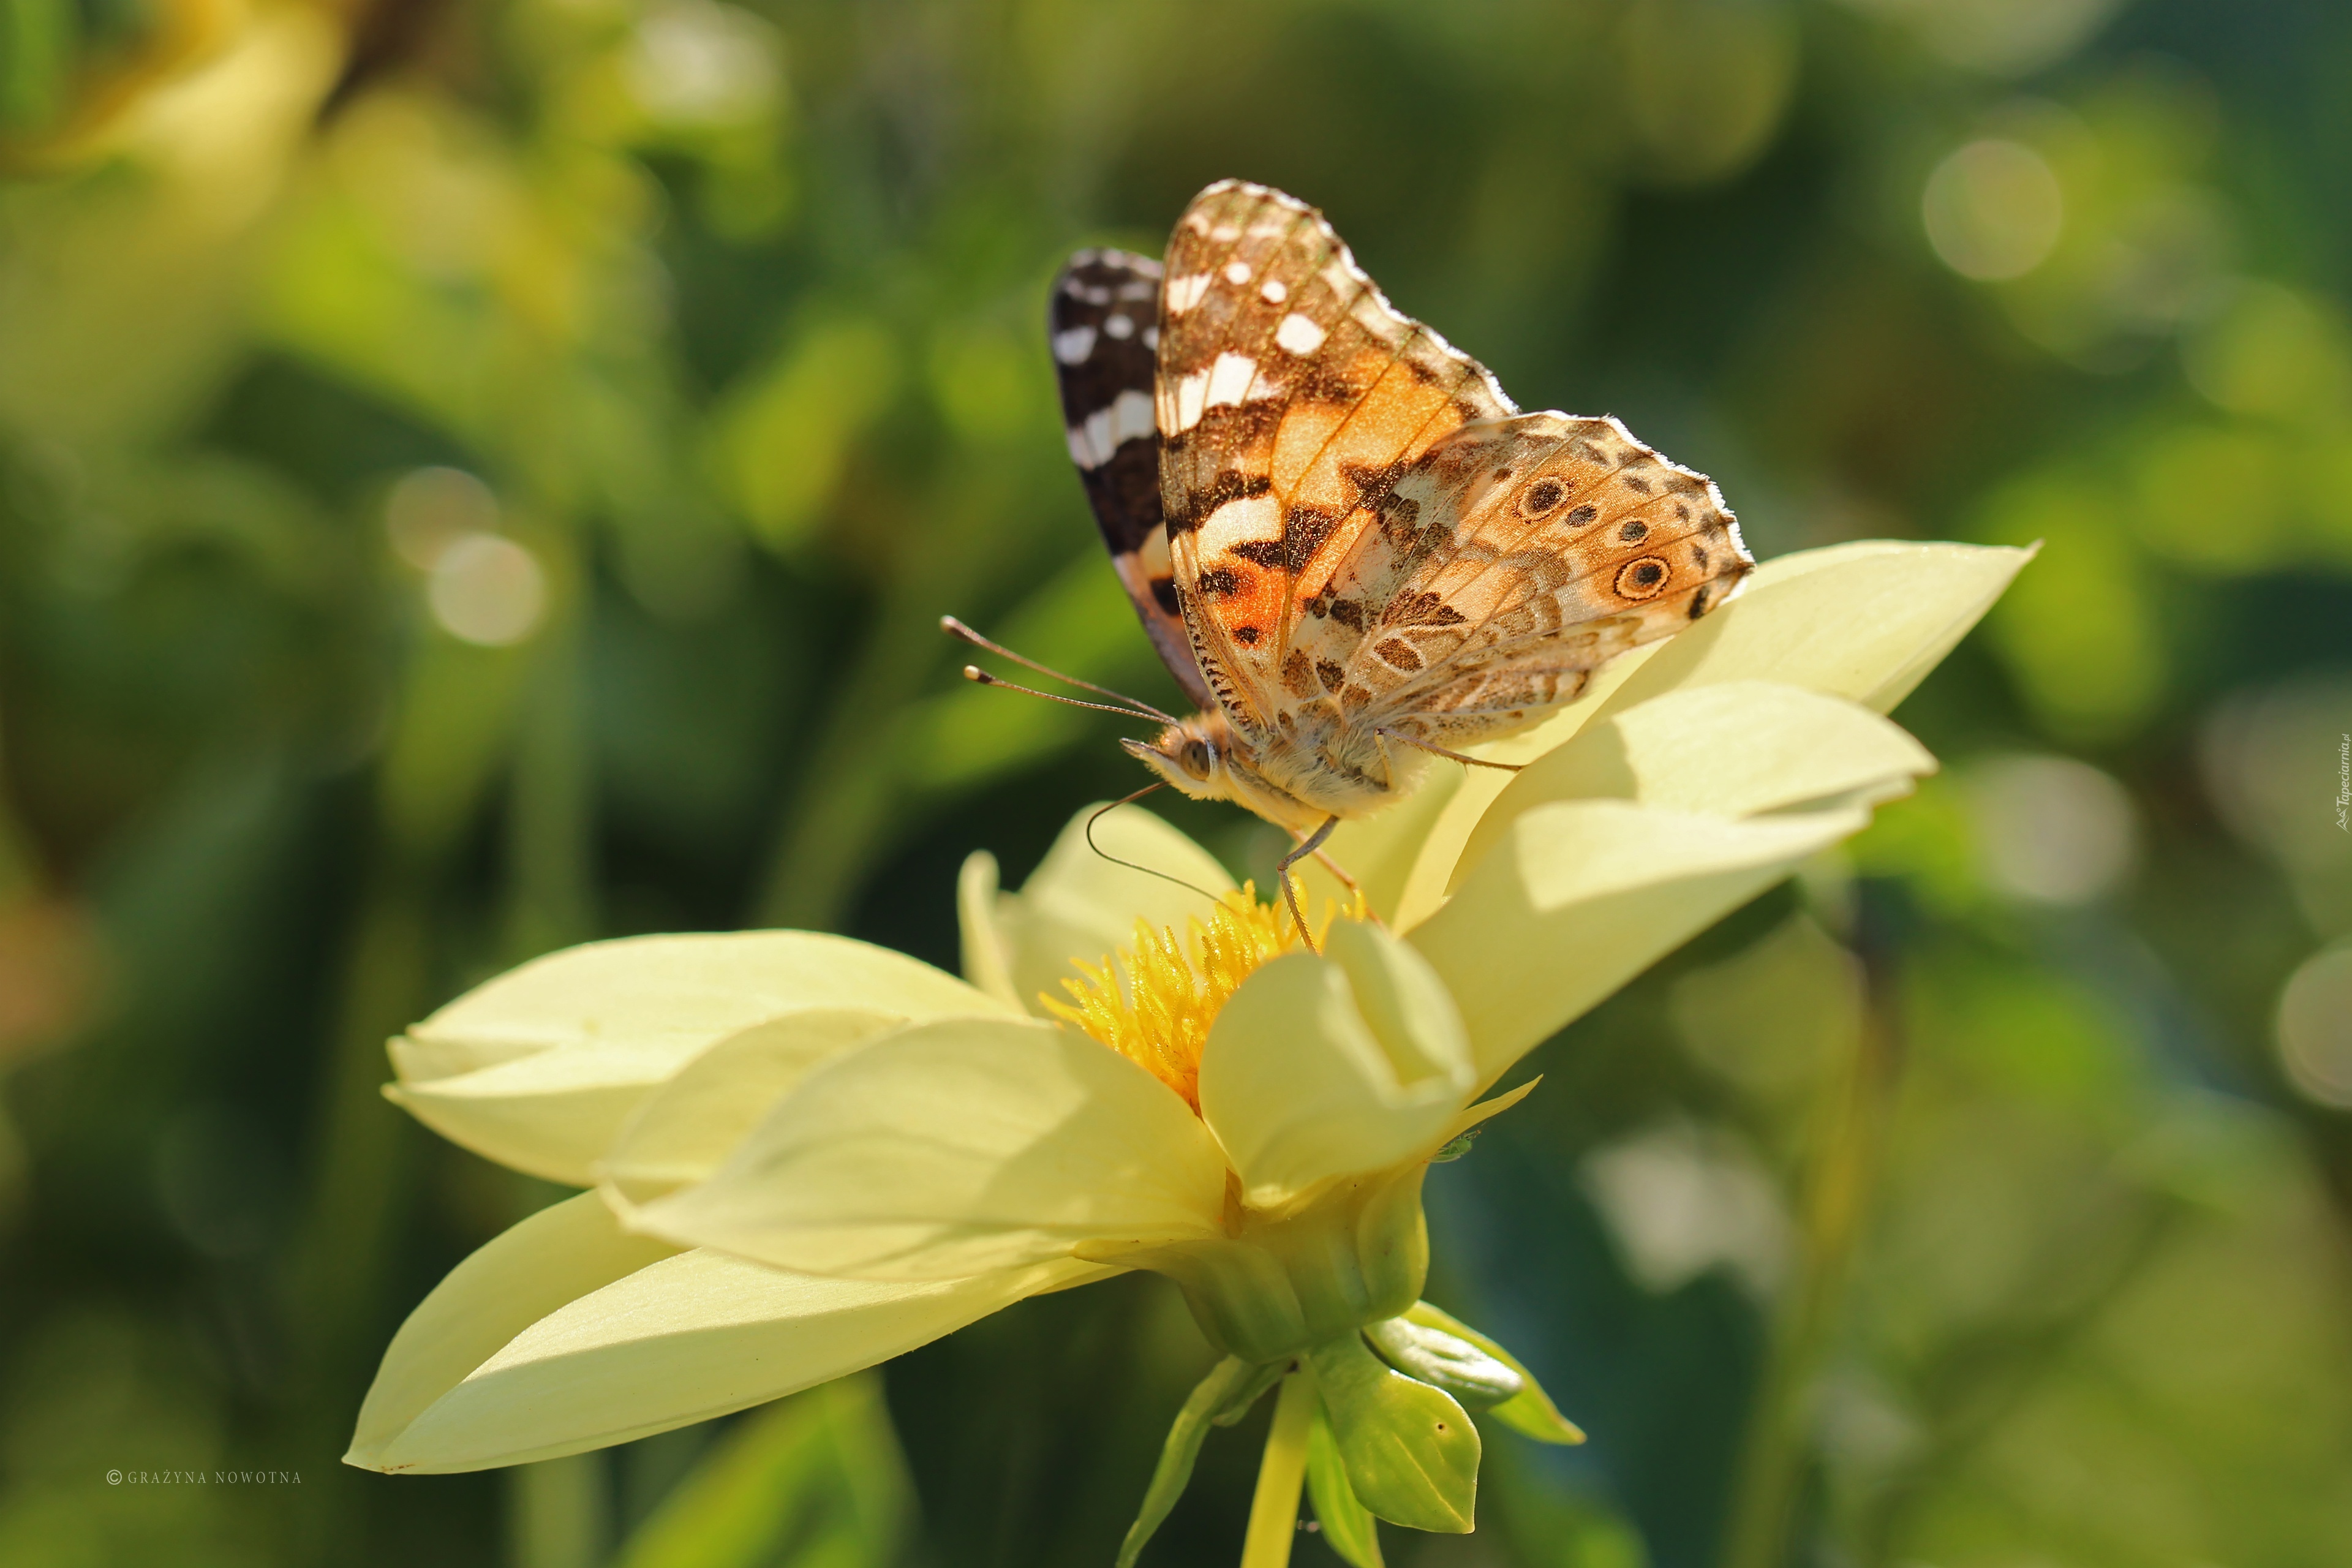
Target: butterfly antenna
x=979, y=677
x=956, y=628
x=1131, y=865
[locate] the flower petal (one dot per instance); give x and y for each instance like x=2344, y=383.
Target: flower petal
x=1579, y=897
x=560, y=1253
x=954, y=1147
x=539, y=1067
x=550, y=1115
x=987, y=951
x=1333, y=1065
x=686, y=1126
x=1864, y=621
x=1081, y=905
x=498, y=1368
x=1380, y=851
x=1732, y=750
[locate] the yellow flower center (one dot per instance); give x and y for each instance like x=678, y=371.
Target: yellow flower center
x=1154, y=1000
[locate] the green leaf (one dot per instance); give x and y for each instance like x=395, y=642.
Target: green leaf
x=1227, y=1380
x=1347, y=1525
x=1410, y=1451
x=815, y=1478
x=1477, y=1380
x=1247, y=1391
x=1531, y=1412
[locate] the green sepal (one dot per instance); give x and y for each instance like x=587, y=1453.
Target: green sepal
x=1211, y=1395
x=1443, y=1359
x=1247, y=1391
x=1349, y=1527
x=1410, y=1451
x=1531, y=1412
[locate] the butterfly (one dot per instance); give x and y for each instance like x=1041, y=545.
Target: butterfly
x=1350, y=549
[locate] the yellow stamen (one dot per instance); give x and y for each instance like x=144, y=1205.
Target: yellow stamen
x=1154, y=1000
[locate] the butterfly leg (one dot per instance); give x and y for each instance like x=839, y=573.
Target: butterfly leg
x=1307, y=845
x=1389, y=734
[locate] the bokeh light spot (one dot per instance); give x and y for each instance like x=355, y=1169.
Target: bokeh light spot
x=1993, y=210
x=1681, y=1200
x=2263, y=349
x=698, y=63
x=489, y=590
x=431, y=509
x=2052, y=830
x=2314, y=1027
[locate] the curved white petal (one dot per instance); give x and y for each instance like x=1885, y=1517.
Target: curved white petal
x=539, y=1067
x=987, y=949
x=512, y=1360
x=1864, y=621
x=1579, y=897
x=1083, y=906
x=688, y=1125
x=953, y=1147
x=1334, y=1066
x=1382, y=851
x=550, y=1115
x=1736, y=749
x=558, y=1255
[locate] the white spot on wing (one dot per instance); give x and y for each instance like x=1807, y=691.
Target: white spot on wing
x=1107, y=429
x=1237, y=273
x=1119, y=326
x=1229, y=378
x=1297, y=335
x=1274, y=293
x=1183, y=293
x=1187, y=399
x=1239, y=521
x=1131, y=416
x=1075, y=344
x=1152, y=339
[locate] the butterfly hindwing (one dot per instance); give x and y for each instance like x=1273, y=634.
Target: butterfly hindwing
x=1291, y=396
x=1102, y=324
x=1516, y=557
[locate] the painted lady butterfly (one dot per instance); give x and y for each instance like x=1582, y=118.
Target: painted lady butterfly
x=1348, y=545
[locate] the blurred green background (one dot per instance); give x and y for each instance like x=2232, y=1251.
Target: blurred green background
x=476, y=475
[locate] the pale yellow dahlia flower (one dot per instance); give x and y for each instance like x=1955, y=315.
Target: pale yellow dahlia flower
x=807, y=1154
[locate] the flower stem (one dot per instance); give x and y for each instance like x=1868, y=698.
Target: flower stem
x=1853, y=1115
x=1273, y=1512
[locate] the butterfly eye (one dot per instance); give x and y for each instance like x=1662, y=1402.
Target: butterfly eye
x=1541, y=497
x=1194, y=758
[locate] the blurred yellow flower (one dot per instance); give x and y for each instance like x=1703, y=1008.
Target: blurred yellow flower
x=810, y=1154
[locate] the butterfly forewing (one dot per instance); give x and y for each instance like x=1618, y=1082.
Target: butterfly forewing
x=1102, y=325
x=1291, y=396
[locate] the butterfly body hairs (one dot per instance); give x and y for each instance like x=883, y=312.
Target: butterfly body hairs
x=1350, y=549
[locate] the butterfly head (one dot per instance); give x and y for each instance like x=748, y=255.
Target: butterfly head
x=1194, y=755
x=1203, y=758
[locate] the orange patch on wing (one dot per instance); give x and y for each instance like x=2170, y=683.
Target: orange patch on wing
x=1305, y=432
x=1256, y=601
